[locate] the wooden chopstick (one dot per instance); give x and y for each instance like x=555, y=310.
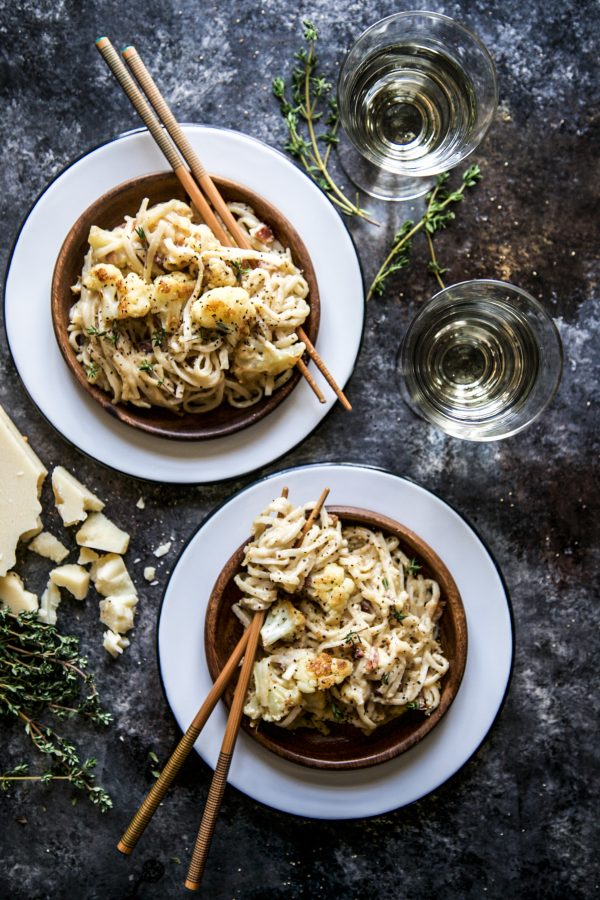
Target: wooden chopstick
x=142, y=107
x=219, y=780
x=160, y=787
x=161, y=107
x=156, y=794
x=116, y=66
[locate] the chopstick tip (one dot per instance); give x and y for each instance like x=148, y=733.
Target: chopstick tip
x=99, y=39
x=123, y=848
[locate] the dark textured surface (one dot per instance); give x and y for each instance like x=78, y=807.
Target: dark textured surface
x=519, y=819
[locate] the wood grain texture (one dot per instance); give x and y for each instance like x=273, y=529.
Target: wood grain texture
x=346, y=747
x=108, y=212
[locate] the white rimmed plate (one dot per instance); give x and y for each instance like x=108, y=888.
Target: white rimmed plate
x=82, y=421
x=365, y=792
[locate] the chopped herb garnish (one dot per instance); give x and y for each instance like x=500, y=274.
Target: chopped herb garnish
x=238, y=268
x=113, y=336
x=413, y=567
x=94, y=332
x=385, y=583
x=337, y=712
x=146, y=366
x=91, y=372
x=142, y=236
x=351, y=637
x=158, y=337
x=413, y=705
x=398, y=616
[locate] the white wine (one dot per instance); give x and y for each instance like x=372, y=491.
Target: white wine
x=481, y=360
x=410, y=108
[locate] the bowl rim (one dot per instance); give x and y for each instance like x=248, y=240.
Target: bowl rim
x=453, y=601
x=129, y=414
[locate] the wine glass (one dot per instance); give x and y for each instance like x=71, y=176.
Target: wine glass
x=481, y=360
x=417, y=93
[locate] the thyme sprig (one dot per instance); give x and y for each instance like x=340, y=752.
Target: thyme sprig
x=438, y=215
x=41, y=671
x=309, y=101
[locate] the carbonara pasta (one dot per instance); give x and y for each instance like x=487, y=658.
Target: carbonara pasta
x=351, y=629
x=168, y=316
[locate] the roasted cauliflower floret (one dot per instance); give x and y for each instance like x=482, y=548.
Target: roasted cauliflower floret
x=269, y=360
x=227, y=309
x=283, y=623
x=332, y=589
x=134, y=297
x=272, y=698
x=154, y=214
x=169, y=293
x=103, y=275
x=319, y=672
x=218, y=274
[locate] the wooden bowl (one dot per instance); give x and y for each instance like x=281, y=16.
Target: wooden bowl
x=108, y=212
x=345, y=747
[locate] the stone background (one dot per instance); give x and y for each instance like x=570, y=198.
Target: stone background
x=519, y=818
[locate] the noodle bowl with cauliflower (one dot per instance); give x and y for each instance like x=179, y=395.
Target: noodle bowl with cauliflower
x=167, y=316
x=351, y=632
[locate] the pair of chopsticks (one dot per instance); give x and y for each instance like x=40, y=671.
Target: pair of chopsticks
x=186, y=165
x=245, y=648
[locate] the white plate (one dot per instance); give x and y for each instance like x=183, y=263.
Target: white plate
x=82, y=421
x=367, y=792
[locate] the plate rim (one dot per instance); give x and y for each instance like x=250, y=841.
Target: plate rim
x=180, y=479
x=465, y=519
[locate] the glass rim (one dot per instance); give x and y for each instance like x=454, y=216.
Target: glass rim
x=446, y=425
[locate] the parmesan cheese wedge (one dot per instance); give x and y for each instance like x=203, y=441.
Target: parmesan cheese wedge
x=73, y=499
x=111, y=577
x=114, y=643
x=72, y=577
x=117, y=612
x=87, y=556
x=100, y=533
x=14, y=595
x=45, y=544
x=21, y=477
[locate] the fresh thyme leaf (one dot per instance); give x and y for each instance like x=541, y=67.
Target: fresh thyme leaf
x=399, y=616
x=146, y=366
x=307, y=102
x=351, y=637
x=91, y=371
x=413, y=705
x=413, y=567
x=238, y=268
x=158, y=337
x=337, y=712
x=385, y=583
x=41, y=672
x=385, y=678
x=142, y=236
x=94, y=332
x=437, y=216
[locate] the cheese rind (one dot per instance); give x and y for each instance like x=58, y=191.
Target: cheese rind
x=100, y=533
x=48, y=546
x=21, y=477
x=73, y=499
x=14, y=595
x=72, y=577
